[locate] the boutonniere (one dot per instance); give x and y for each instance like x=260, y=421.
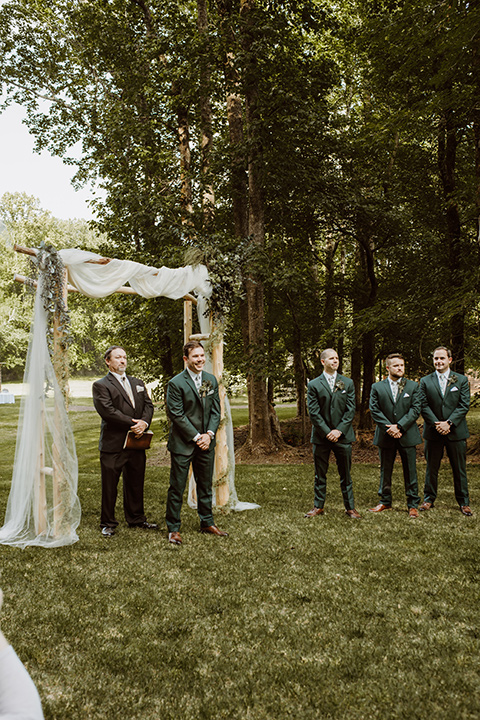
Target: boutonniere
x=339, y=385
x=205, y=388
x=452, y=380
x=401, y=385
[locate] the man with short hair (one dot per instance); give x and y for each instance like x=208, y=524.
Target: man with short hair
x=193, y=406
x=395, y=407
x=331, y=406
x=445, y=400
x=123, y=404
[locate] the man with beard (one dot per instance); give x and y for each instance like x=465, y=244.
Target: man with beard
x=445, y=400
x=395, y=407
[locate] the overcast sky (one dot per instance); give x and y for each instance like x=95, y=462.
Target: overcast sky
x=44, y=176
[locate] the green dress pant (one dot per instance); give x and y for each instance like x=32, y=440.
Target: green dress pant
x=457, y=454
x=409, y=465
x=343, y=456
x=202, y=462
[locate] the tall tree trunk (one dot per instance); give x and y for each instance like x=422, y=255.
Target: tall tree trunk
x=208, y=195
x=185, y=161
x=447, y=153
x=238, y=168
x=260, y=432
x=368, y=338
x=329, y=312
x=341, y=308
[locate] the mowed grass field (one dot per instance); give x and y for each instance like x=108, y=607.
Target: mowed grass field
x=286, y=618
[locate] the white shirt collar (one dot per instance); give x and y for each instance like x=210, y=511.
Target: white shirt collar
x=445, y=374
x=196, y=377
x=116, y=375
x=328, y=377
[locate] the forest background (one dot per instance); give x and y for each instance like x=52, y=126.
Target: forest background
x=322, y=159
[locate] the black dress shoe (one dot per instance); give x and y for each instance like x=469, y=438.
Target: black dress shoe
x=145, y=526
x=108, y=531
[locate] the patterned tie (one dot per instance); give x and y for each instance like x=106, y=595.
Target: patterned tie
x=198, y=382
x=128, y=389
x=443, y=383
x=394, y=387
x=331, y=381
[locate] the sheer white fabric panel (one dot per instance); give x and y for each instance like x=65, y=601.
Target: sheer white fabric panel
x=43, y=507
x=98, y=281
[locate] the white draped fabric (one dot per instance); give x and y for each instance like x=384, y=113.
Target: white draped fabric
x=43, y=507
x=97, y=281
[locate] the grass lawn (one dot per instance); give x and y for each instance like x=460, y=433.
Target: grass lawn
x=286, y=618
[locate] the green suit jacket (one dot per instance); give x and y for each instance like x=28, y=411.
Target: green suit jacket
x=403, y=412
x=331, y=411
x=189, y=413
x=452, y=406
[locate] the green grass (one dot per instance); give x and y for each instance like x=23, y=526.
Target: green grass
x=286, y=618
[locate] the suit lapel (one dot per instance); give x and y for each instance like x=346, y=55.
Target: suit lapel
x=119, y=385
x=389, y=391
x=136, y=396
x=191, y=384
x=436, y=385
x=324, y=380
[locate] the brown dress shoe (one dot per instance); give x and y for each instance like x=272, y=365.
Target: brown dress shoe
x=353, y=514
x=380, y=507
x=175, y=538
x=213, y=530
x=314, y=512
x=465, y=510
x=413, y=513
x=426, y=506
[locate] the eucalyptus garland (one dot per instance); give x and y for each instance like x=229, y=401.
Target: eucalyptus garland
x=52, y=273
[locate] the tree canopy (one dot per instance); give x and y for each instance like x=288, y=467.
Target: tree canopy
x=324, y=159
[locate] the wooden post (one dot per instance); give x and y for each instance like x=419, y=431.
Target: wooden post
x=187, y=320
x=60, y=366
x=221, y=448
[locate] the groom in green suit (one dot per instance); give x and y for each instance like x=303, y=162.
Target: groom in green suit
x=445, y=400
x=331, y=406
x=395, y=407
x=193, y=406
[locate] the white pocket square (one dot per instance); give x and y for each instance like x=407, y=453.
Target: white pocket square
x=210, y=392
x=454, y=389
x=139, y=388
x=406, y=395
x=343, y=392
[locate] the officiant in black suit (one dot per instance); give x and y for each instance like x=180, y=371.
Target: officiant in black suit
x=123, y=403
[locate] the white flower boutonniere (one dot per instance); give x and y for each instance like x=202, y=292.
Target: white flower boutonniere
x=452, y=380
x=339, y=385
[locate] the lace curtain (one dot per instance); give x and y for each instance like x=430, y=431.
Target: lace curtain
x=43, y=507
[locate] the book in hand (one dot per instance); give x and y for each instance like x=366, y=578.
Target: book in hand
x=134, y=442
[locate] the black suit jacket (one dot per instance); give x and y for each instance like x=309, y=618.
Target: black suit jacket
x=117, y=412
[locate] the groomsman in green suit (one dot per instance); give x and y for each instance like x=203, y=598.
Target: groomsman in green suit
x=445, y=398
x=331, y=405
x=395, y=407
x=193, y=406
